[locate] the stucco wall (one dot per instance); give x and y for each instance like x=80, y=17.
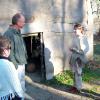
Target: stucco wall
x=55, y=18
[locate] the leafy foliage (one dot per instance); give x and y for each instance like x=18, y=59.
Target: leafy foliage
x=91, y=75
x=98, y=1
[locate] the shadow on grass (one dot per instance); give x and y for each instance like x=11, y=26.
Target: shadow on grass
x=90, y=94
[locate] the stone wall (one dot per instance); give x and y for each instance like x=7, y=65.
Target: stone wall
x=55, y=18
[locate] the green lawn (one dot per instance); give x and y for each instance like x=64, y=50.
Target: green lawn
x=97, y=49
x=97, y=53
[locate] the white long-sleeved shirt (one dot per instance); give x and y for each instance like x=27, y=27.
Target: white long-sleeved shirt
x=9, y=82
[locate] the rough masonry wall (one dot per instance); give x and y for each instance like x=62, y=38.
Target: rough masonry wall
x=55, y=18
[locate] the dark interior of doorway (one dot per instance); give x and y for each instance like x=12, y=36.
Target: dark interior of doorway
x=35, y=51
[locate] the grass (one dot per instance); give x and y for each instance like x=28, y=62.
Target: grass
x=64, y=78
x=97, y=53
x=91, y=75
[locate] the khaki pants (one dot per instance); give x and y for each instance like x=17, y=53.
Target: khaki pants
x=21, y=75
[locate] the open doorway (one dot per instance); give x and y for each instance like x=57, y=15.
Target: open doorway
x=35, y=51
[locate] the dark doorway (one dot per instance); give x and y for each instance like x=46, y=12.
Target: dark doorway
x=35, y=51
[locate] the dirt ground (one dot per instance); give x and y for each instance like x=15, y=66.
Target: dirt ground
x=37, y=91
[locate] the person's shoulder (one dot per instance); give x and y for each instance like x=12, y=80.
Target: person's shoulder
x=5, y=63
x=8, y=31
x=10, y=66
x=5, y=60
x=10, y=63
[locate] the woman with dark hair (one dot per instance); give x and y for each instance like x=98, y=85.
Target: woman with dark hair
x=10, y=87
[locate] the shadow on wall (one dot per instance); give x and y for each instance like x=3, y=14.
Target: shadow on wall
x=28, y=9
x=49, y=68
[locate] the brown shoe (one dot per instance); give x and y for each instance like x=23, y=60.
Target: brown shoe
x=74, y=90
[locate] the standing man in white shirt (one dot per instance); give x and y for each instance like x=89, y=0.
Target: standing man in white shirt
x=18, y=53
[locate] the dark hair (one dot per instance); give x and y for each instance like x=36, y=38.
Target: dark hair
x=78, y=26
x=4, y=43
x=15, y=18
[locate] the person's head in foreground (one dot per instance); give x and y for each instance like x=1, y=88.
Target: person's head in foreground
x=5, y=46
